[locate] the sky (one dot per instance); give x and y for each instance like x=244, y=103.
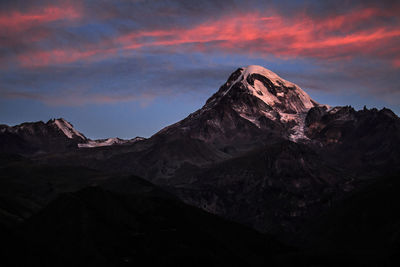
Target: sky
x=129, y=68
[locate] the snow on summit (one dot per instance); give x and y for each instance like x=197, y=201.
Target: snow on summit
x=295, y=98
x=255, y=69
x=282, y=97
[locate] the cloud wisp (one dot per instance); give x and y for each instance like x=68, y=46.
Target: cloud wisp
x=86, y=35
x=334, y=37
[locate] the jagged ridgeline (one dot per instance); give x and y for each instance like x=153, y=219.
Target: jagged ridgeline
x=260, y=152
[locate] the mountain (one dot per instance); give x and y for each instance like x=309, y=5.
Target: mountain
x=365, y=141
x=75, y=216
x=254, y=107
x=38, y=137
x=57, y=135
x=262, y=152
x=253, y=102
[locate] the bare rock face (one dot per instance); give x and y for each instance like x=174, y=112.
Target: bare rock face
x=367, y=141
x=54, y=136
x=38, y=137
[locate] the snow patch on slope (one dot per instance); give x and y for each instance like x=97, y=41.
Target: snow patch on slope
x=250, y=119
x=233, y=83
x=262, y=93
x=297, y=131
x=68, y=129
x=109, y=142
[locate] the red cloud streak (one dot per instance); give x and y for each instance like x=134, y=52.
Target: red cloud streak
x=334, y=37
x=17, y=21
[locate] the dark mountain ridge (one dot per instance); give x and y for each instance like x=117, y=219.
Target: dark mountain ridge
x=75, y=216
x=54, y=136
x=31, y=138
x=260, y=152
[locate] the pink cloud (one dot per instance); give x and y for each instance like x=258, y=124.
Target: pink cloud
x=18, y=21
x=332, y=37
x=396, y=63
x=59, y=56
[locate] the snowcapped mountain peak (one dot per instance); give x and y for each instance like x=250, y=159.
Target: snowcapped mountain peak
x=255, y=92
x=251, y=94
x=277, y=93
x=67, y=128
x=272, y=76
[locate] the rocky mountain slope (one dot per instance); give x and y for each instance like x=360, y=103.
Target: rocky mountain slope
x=260, y=152
x=75, y=216
x=38, y=137
x=54, y=136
